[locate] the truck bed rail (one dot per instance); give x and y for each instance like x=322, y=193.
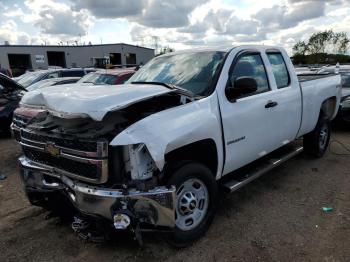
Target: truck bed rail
x=311, y=77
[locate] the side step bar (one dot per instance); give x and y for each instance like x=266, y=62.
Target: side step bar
x=264, y=167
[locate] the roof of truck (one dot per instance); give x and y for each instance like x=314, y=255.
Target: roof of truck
x=222, y=49
x=116, y=71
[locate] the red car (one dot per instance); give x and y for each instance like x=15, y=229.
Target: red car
x=6, y=72
x=108, y=77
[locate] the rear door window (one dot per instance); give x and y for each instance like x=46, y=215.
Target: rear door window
x=279, y=69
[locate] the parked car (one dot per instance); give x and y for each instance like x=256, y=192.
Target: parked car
x=344, y=71
x=108, y=77
x=154, y=153
x=6, y=72
x=10, y=95
x=36, y=76
x=52, y=82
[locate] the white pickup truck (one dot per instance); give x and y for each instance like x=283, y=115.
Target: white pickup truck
x=154, y=153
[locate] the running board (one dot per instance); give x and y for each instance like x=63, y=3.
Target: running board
x=241, y=179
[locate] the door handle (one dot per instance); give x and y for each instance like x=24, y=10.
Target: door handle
x=271, y=104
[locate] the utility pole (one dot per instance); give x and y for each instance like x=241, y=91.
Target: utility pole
x=155, y=43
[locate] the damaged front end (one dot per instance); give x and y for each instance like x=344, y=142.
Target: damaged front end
x=73, y=158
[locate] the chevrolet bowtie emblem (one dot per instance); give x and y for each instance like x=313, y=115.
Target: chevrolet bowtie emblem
x=52, y=149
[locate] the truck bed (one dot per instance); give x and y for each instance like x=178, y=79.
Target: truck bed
x=315, y=89
x=311, y=77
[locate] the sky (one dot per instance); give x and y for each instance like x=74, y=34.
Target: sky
x=180, y=24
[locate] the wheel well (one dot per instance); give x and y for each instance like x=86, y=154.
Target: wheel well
x=329, y=107
x=203, y=151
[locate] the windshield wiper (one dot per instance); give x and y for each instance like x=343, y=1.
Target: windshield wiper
x=167, y=85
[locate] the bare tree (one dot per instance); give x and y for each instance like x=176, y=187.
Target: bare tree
x=341, y=43
x=300, y=48
x=318, y=42
x=323, y=42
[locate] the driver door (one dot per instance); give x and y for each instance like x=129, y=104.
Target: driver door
x=250, y=131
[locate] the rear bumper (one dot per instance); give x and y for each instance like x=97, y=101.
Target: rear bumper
x=154, y=207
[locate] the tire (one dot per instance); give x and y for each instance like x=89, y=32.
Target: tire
x=316, y=142
x=196, y=195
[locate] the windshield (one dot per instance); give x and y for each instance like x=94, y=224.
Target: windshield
x=191, y=71
x=99, y=79
x=27, y=80
x=40, y=84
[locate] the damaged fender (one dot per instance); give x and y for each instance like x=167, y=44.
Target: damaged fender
x=174, y=128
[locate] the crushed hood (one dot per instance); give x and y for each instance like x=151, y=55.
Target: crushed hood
x=93, y=101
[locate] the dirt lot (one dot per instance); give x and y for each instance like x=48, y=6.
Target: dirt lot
x=276, y=218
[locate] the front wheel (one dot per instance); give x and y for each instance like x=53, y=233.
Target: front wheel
x=196, y=201
x=316, y=142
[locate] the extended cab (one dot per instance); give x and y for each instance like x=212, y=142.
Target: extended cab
x=154, y=153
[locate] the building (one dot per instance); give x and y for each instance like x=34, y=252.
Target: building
x=23, y=57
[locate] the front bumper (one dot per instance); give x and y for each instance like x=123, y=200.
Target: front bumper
x=154, y=207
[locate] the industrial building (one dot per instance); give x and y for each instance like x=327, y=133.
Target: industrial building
x=20, y=58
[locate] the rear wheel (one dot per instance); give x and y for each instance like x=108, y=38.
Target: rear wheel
x=316, y=142
x=196, y=201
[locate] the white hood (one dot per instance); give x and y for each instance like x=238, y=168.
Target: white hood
x=93, y=101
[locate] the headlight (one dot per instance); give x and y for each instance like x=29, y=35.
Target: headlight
x=140, y=162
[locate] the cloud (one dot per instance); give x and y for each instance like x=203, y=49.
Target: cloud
x=216, y=20
x=170, y=14
x=9, y=32
x=111, y=9
x=53, y=18
x=181, y=23
x=16, y=12
x=282, y=17
x=151, y=13
x=239, y=26
x=62, y=22
x=223, y=25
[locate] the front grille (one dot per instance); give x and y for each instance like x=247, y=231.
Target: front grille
x=90, y=171
x=83, y=160
x=20, y=121
x=87, y=146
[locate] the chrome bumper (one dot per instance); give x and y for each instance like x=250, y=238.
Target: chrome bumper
x=15, y=132
x=154, y=207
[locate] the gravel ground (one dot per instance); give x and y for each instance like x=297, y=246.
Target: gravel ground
x=278, y=217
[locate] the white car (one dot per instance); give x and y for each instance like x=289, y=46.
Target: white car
x=52, y=82
x=154, y=153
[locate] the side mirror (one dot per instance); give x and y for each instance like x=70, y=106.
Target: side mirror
x=241, y=86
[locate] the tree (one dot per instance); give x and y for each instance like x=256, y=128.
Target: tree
x=319, y=42
x=341, y=43
x=322, y=47
x=323, y=42
x=300, y=48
